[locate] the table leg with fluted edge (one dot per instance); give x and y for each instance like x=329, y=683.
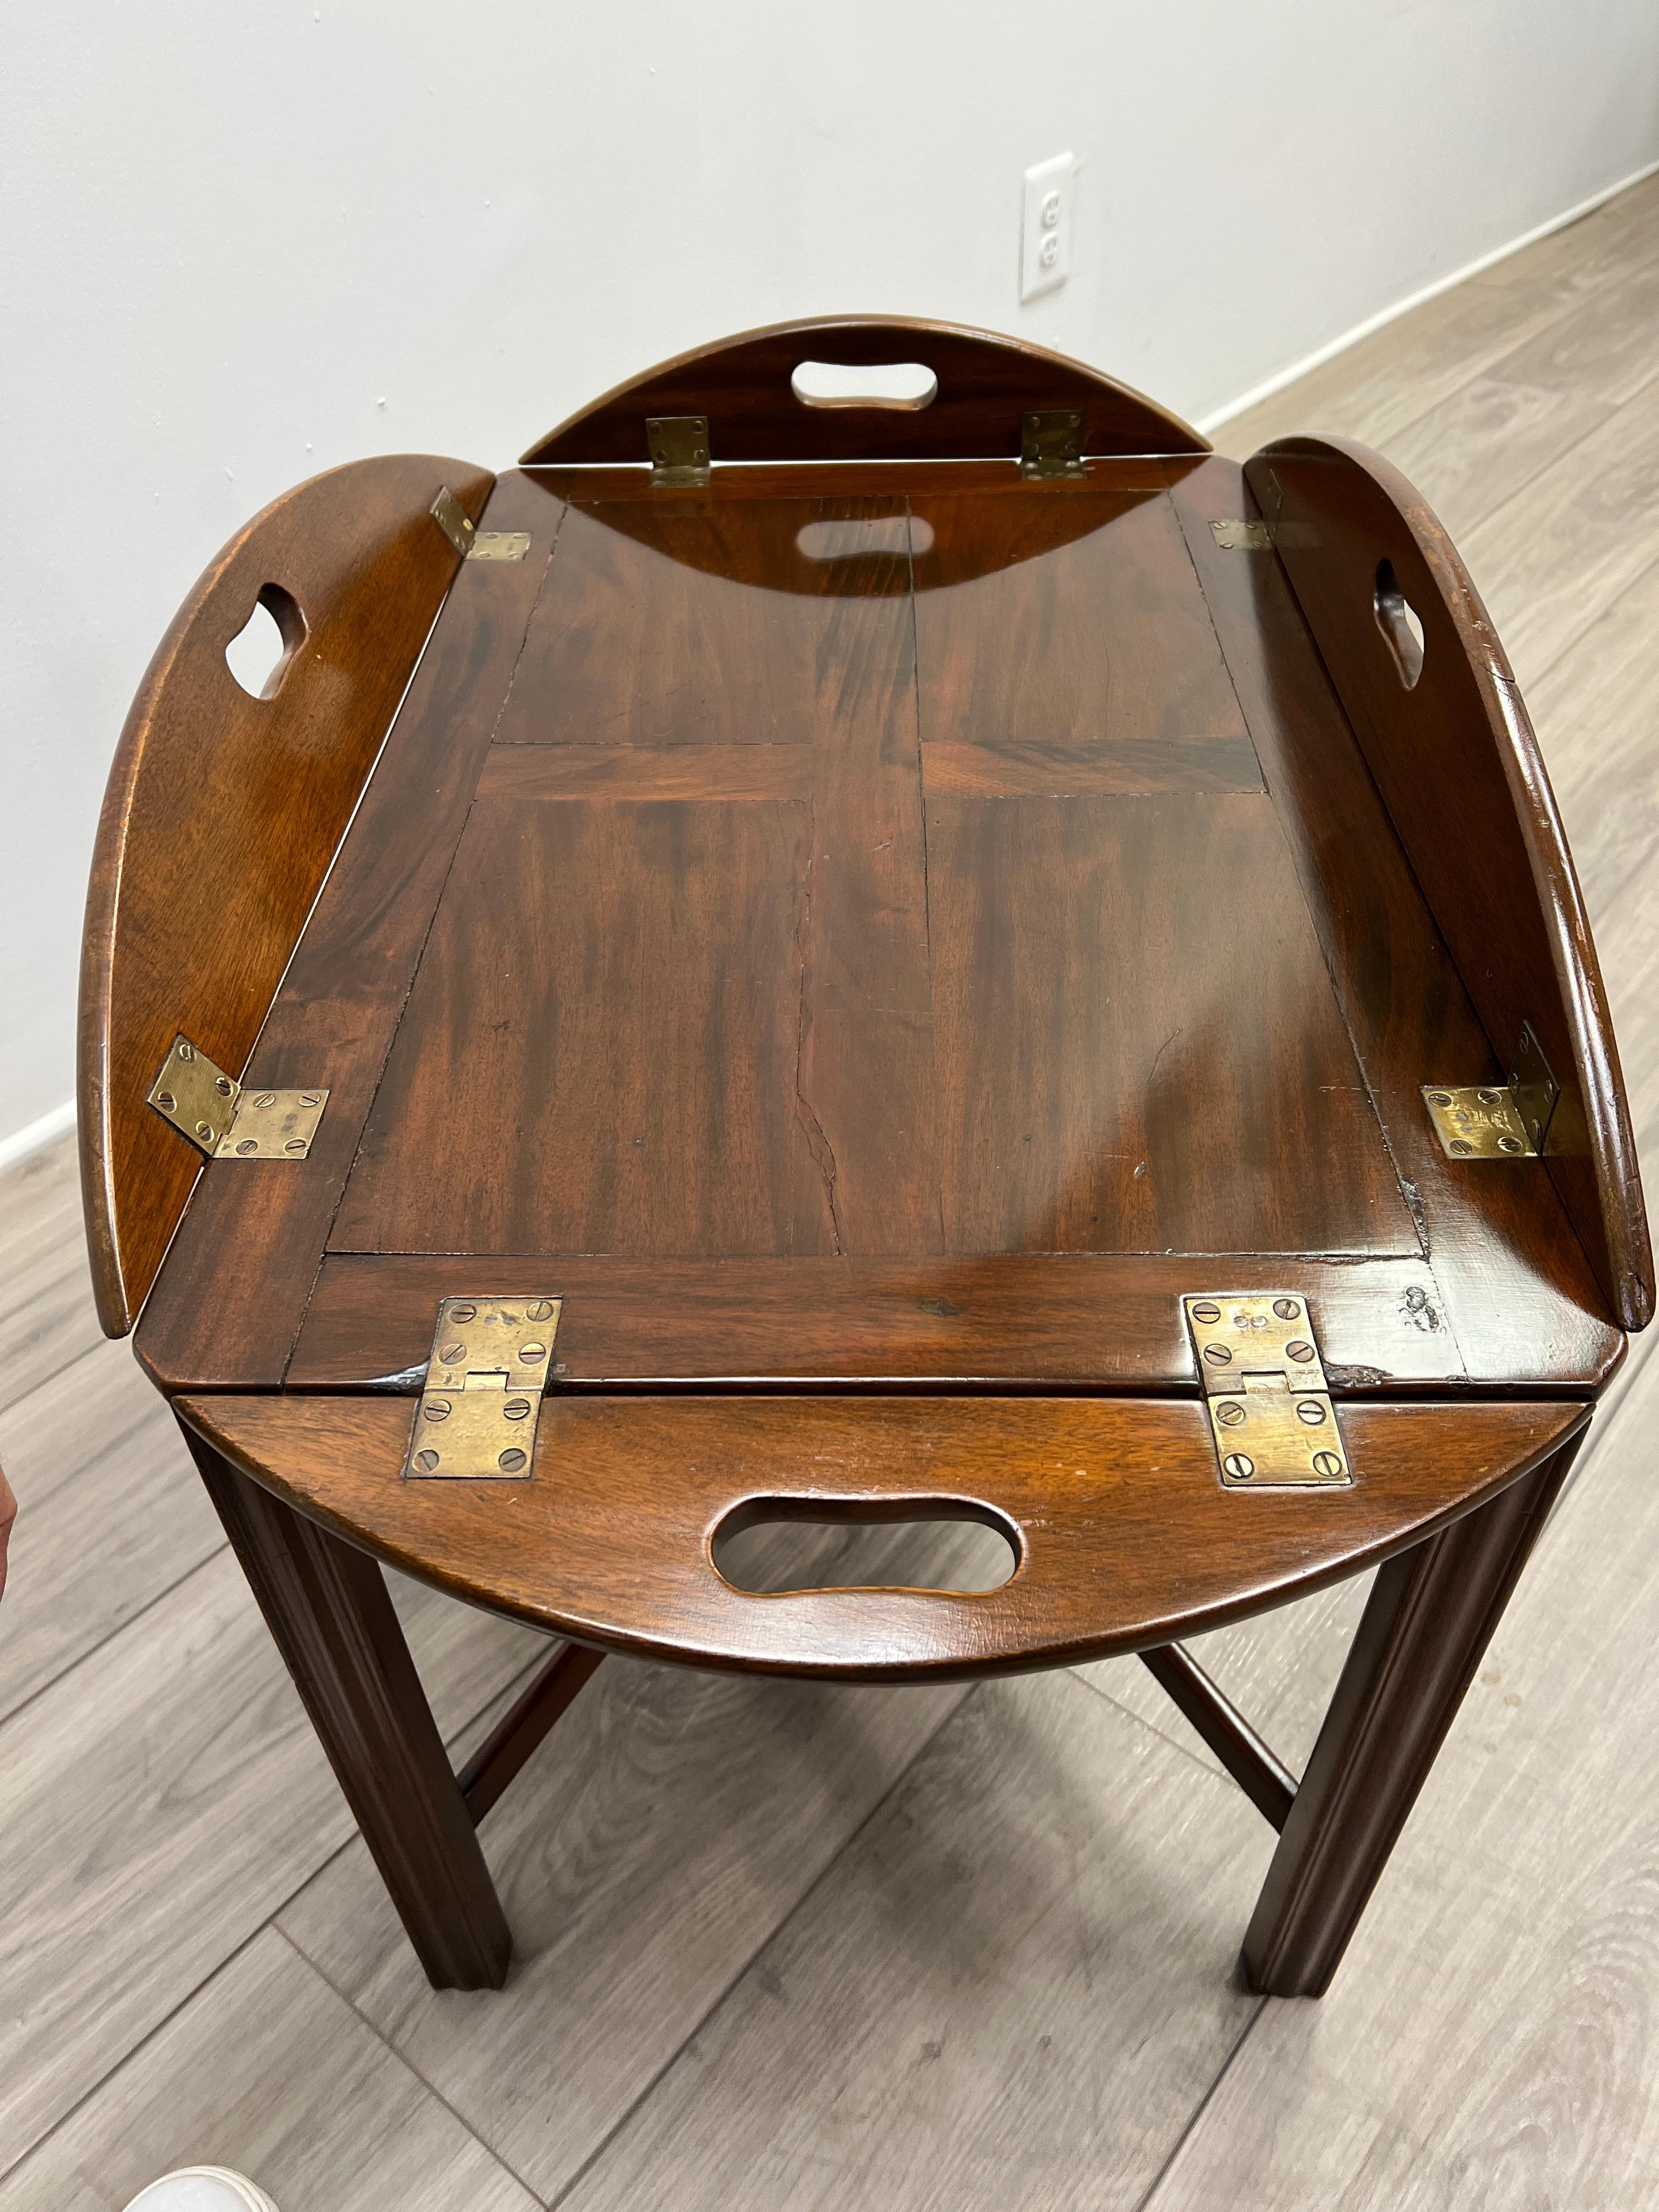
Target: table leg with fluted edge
x=328, y=1608
x=1430, y=1614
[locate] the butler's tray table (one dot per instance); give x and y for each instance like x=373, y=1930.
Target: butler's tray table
x=874, y=935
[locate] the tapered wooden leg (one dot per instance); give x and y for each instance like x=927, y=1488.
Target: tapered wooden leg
x=327, y=1607
x=1430, y=1614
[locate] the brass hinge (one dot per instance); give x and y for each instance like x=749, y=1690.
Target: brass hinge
x=469, y=541
x=227, y=1121
x=1491, y=1120
x=679, y=446
x=1264, y=1383
x=1051, y=445
x=1241, y=537
x=478, y=1415
x=1237, y=536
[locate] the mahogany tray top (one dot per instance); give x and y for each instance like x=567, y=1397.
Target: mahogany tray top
x=868, y=936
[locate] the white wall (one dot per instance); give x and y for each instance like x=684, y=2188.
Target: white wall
x=242, y=243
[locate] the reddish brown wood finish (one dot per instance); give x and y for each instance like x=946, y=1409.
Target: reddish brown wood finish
x=896, y=1031
x=641, y=638
x=755, y=971
x=1126, y=1068
x=1519, y=1296
x=343, y=995
x=1459, y=768
x=510, y=1745
x=985, y=385
x=522, y=773
x=1089, y=1322
x=1072, y=626
x=330, y=1617
x=222, y=813
x=1127, y=1537
x=869, y=939
x=1509, y=1302
x=1430, y=1617
x=1266, y=1781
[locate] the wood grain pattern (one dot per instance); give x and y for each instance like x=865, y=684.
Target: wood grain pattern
x=700, y=622
x=1126, y=1536
x=852, y=1159
x=172, y=1863
x=222, y=813
x=1129, y=768
x=601, y=983
x=865, y=1084
x=1608, y=355
x=986, y=385
x=850, y=1000
x=1520, y=1297
x=1459, y=747
x=344, y=992
x=632, y=774
x=1074, y=622
x=267, y=2071
x=331, y=1617
x=1087, y=1321
x=1576, y=262
x=1485, y=443
x=1130, y=1065
x=1492, y=2039
x=754, y=978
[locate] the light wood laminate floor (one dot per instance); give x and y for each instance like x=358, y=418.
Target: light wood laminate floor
x=785, y=1947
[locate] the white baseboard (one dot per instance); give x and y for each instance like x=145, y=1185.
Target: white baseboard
x=1320, y=354
x=35, y=1136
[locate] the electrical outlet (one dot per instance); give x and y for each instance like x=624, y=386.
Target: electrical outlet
x=1045, y=251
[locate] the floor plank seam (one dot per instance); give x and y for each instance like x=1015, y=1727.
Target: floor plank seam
x=1580, y=311
x=1535, y=677
x=271, y=1919
x=120, y=1629
x=1140, y=1721
x=662, y=2071
x=1607, y=899
x=156, y=2027
x=52, y=1375
x=1473, y=523
x=1202, y=2105
x=402, y=2059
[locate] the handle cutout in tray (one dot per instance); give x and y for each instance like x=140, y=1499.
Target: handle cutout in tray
x=909, y=385
x=1396, y=617
x=769, y=1547
x=853, y=538
x=259, y=653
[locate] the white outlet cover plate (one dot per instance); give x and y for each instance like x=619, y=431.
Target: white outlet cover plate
x=1045, y=247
